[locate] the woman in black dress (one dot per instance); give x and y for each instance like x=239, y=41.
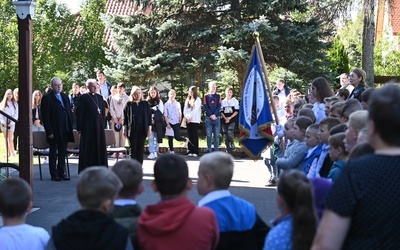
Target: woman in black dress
x=137, y=123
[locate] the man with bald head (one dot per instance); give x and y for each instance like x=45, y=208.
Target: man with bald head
x=56, y=117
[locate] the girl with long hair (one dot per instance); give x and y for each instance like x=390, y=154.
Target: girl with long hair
x=192, y=113
x=297, y=224
x=157, y=121
x=320, y=89
x=9, y=106
x=36, y=112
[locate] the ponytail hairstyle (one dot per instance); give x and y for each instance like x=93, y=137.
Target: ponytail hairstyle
x=297, y=192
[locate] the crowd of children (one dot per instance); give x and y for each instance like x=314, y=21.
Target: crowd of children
x=346, y=133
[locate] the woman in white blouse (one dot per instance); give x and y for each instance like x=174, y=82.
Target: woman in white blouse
x=192, y=113
x=10, y=107
x=320, y=89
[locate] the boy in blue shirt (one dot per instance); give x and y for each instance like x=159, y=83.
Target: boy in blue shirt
x=314, y=145
x=338, y=154
x=239, y=224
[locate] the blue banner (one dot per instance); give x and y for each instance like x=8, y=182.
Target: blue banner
x=255, y=116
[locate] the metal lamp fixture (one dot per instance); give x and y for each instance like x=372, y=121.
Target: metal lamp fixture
x=25, y=8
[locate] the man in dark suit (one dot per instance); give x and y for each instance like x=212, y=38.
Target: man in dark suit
x=56, y=115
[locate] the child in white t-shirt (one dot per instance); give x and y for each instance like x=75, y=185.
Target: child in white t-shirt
x=15, y=203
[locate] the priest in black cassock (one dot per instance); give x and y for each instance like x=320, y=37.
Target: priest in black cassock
x=90, y=113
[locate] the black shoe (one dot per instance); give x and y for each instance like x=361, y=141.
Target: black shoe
x=65, y=178
x=56, y=178
x=272, y=183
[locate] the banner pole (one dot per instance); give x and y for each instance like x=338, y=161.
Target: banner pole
x=264, y=67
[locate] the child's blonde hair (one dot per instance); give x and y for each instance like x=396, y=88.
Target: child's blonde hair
x=220, y=166
x=358, y=120
x=96, y=185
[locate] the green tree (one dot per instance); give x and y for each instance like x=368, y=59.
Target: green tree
x=291, y=79
x=176, y=38
x=89, y=41
x=386, y=58
x=339, y=59
x=8, y=47
x=65, y=45
x=350, y=36
x=51, y=35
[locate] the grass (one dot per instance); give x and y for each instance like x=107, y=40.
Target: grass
x=3, y=153
x=202, y=142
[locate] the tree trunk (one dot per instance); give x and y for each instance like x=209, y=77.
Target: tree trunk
x=241, y=76
x=368, y=40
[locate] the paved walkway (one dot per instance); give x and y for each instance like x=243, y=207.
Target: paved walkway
x=54, y=201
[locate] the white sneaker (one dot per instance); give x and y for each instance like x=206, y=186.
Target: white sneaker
x=172, y=152
x=155, y=154
x=114, y=155
x=151, y=156
x=194, y=155
x=190, y=155
x=121, y=155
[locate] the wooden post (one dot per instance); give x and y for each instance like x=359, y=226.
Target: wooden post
x=25, y=12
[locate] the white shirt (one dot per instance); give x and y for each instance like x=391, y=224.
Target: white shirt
x=212, y=196
x=319, y=111
x=117, y=104
x=10, y=110
x=104, y=90
x=173, y=111
x=193, y=113
x=124, y=202
x=282, y=98
x=23, y=237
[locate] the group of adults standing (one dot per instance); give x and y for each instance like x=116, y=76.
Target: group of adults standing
x=168, y=118
x=130, y=116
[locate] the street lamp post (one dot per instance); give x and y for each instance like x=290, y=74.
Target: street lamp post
x=25, y=12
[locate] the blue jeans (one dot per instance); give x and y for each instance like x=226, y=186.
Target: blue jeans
x=153, y=144
x=270, y=161
x=213, y=127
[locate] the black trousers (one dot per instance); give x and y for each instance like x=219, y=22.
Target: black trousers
x=16, y=135
x=193, y=134
x=227, y=129
x=177, y=136
x=57, y=154
x=136, y=142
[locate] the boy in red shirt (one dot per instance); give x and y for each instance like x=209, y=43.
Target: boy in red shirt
x=175, y=222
